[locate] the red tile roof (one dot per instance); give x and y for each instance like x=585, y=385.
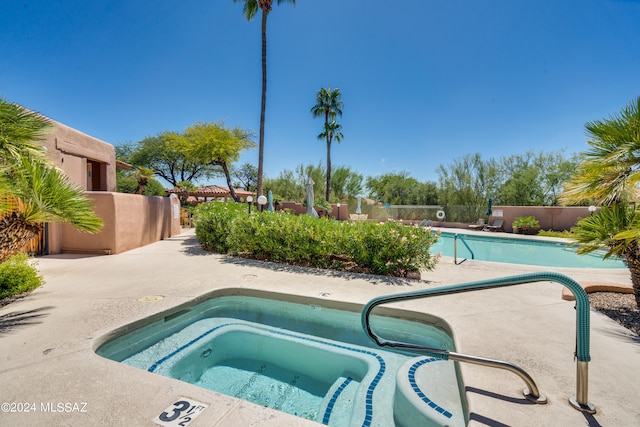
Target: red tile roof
x=216, y=191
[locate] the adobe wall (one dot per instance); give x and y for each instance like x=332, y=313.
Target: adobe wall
x=130, y=221
x=557, y=218
x=69, y=149
x=341, y=213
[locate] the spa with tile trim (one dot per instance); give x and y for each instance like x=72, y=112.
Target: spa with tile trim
x=305, y=356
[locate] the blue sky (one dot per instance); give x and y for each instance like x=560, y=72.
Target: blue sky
x=423, y=81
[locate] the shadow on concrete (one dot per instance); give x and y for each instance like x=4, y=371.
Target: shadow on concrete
x=11, y=321
x=518, y=400
x=191, y=246
x=371, y=278
x=591, y=420
x=481, y=419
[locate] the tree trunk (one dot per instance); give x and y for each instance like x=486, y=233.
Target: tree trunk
x=633, y=262
x=228, y=176
x=15, y=232
x=263, y=103
x=326, y=122
x=328, y=189
x=142, y=183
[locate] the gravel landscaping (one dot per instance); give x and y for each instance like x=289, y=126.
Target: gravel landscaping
x=620, y=307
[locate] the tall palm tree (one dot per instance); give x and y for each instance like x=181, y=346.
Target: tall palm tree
x=328, y=106
x=608, y=176
x=332, y=131
x=250, y=8
x=32, y=190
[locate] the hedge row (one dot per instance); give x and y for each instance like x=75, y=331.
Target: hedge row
x=387, y=248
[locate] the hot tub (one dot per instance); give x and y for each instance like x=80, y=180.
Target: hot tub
x=307, y=357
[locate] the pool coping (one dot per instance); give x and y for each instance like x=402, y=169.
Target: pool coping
x=517, y=237
x=590, y=287
x=48, y=338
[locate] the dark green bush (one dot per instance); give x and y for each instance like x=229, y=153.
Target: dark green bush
x=391, y=248
x=17, y=275
x=128, y=184
x=379, y=248
x=279, y=237
x=213, y=223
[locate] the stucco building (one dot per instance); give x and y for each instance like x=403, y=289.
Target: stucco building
x=130, y=220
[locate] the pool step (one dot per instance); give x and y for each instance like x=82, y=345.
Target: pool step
x=337, y=406
x=264, y=384
x=427, y=394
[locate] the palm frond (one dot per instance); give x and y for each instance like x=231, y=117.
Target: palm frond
x=611, y=167
x=21, y=130
x=48, y=196
x=601, y=231
x=327, y=104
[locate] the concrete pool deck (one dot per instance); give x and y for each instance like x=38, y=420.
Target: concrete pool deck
x=47, y=340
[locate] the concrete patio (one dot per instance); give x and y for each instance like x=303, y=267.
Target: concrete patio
x=48, y=339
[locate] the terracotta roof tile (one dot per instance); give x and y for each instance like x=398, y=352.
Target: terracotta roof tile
x=216, y=191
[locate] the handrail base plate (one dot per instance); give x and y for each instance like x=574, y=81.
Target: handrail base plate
x=589, y=408
x=541, y=400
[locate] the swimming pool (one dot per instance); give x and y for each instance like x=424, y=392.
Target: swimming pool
x=304, y=358
x=520, y=251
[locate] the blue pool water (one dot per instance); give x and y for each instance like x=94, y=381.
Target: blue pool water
x=308, y=360
x=520, y=251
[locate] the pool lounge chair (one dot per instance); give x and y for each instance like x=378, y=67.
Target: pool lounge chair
x=498, y=225
x=478, y=225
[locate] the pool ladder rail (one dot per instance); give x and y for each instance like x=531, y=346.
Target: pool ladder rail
x=455, y=249
x=580, y=401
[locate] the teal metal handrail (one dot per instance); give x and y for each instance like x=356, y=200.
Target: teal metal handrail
x=580, y=401
x=455, y=249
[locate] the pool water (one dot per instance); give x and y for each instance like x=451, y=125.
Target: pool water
x=307, y=360
x=267, y=385
x=520, y=251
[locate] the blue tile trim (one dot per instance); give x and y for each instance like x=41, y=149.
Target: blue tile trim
x=155, y=366
x=416, y=389
x=334, y=398
x=374, y=383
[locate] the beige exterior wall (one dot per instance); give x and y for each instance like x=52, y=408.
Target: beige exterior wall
x=72, y=150
x=130, y=221
x=556, y=218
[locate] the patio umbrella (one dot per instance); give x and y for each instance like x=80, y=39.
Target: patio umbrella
x=489, y=203
x=310, y=198
x=270, y=199
x=358, y=210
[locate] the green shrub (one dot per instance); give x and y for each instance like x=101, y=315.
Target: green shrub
x=213, y=223
x=379, y=248
x=129, y=184
x=17, y=275
x=278, y=237
x=391, y=248
x=550, y=233
x=525, y=223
